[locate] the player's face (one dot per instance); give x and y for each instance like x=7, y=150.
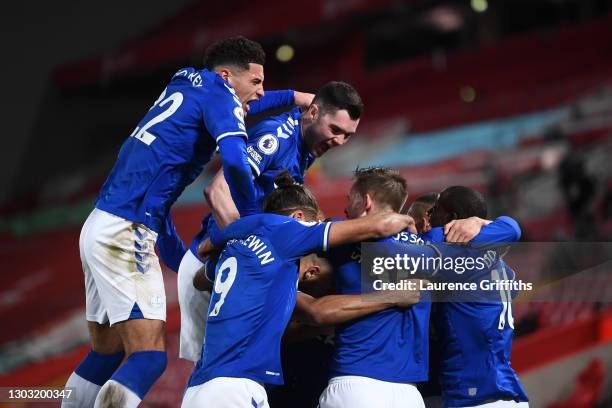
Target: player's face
x=328, y=130
x=438, y=216
x=248, y=84
x=356, y=205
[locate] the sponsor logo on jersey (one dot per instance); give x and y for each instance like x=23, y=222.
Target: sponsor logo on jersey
x=268, y=144
x=254, y=155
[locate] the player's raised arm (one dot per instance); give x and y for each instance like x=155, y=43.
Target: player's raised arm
x=475, y=229
x=219, y=199
x=373, y=226
x=280, y=99
x=336, y=309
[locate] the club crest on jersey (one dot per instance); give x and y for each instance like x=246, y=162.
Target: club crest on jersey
x=268, y=144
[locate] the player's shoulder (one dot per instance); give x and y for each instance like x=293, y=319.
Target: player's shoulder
x=202, y=81
x=282, y=128
x=434, y=235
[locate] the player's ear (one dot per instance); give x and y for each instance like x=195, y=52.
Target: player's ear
x=312, y=272
x=224, y=73
x=297, y=214
x=313, y=110
x=367, y=202
x=426, y=225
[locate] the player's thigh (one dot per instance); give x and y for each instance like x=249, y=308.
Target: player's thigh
x=127, y=276
x=226, y=392
x=104, y=338
x=194, y=306
x=142, y=335
x=355, y=392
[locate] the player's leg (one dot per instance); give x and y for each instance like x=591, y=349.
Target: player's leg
x=194, y=306
x=226, y=392
x=145, y=345
x=107, y=350
x=129, y=282
x=356, y=392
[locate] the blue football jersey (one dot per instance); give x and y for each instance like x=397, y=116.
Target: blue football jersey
x=254, y=296
x=370, y=345
x=474, y=337
x=390, y=345
x=275, y=145
x=482, y=330
x=170, y=146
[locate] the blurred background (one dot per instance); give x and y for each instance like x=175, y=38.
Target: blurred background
x=511, y=97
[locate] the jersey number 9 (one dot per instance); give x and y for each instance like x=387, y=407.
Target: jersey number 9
x=222, y=287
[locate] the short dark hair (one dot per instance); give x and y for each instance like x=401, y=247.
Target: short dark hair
x=386, y=186
x=237, y=51
x=335, y=96
x=289, y=197
x=464, y=201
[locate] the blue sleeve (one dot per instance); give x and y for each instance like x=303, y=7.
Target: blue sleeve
x=502, y=229
x=238, y=175
x=222, y=111
x=171, y=247
x=264, y=149
x=295, y=239
x=272, y=100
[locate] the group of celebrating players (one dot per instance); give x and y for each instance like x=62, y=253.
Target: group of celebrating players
x=266, y=270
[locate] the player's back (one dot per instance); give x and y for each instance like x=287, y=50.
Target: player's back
x=170, y=146
x=390, y=345
x=475, y=341
x=254, y=296
x=275, y=145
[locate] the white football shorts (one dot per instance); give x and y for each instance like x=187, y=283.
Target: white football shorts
x=194, y=309
x=226, y=392
x=364, y=392
x=121, y=269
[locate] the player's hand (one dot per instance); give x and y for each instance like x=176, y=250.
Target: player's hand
x=463, y=231
x=407, y=298
x=391, y=223
x=302, y=99
x=207, y=250
x=200, y=282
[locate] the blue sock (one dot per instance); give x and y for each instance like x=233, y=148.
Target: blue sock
x=141, y=370
x=98, y=368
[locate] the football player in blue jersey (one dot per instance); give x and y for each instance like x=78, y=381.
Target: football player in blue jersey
x=198, y=112
x=290, y=141
x=378, y=358
x=255, y=292
x=474, y=338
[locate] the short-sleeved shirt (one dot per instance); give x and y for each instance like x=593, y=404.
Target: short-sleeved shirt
x=170, y=146
x=254, y=296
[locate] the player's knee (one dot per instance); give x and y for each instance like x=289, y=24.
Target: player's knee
x=141, y=370
x=97, y=367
